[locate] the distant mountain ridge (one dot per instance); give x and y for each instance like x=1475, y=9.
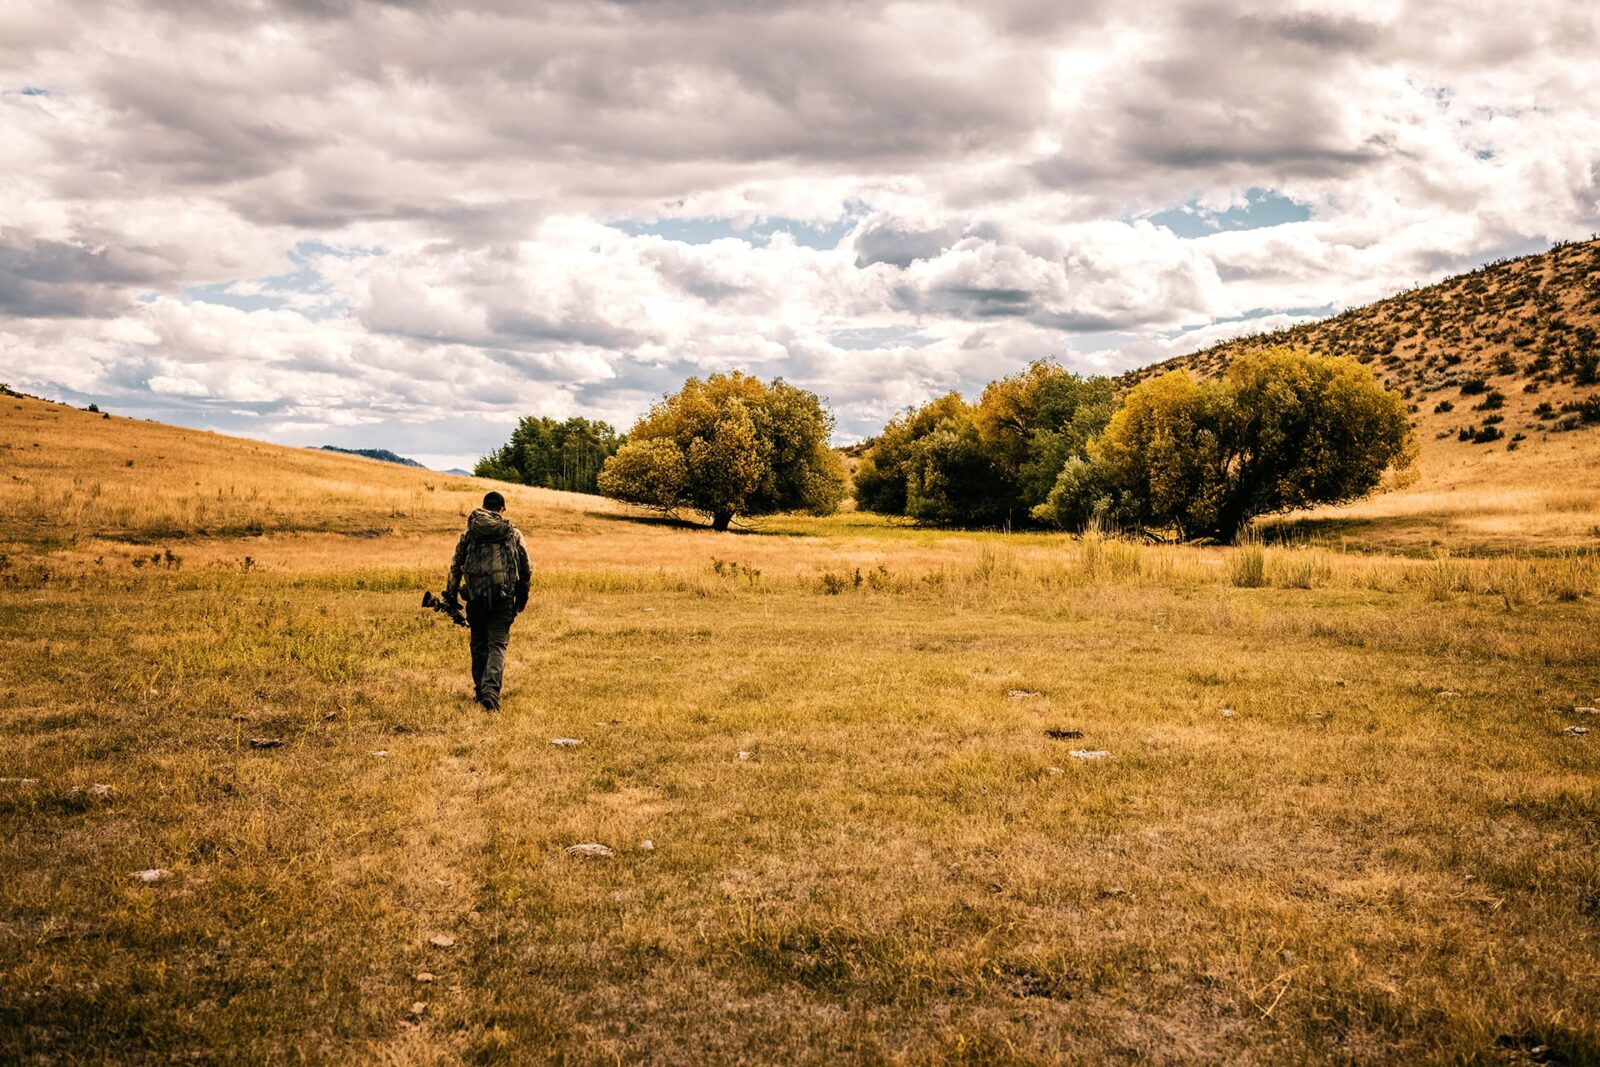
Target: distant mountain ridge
x=1508, y=353
x=380, y=454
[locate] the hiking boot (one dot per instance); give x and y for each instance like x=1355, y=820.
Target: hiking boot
x=489, y=703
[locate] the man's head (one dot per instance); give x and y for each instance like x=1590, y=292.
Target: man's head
x=493, y=501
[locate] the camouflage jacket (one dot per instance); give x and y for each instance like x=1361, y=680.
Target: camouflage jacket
x=490, y=558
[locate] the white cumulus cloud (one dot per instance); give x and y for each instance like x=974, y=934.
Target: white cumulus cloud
x=407, y=224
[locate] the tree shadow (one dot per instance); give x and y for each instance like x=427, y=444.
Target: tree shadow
x=1413, y=536
x=677, y=522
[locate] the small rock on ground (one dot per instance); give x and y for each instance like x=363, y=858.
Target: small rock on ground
x=1022, y=694
x=154, y=874
x=1088, y=753
x=442, y=941
x=565, y=742
x=590, y=850
x=426, y=976
x=419, y=1007
x=266, y=742
x=1575, y=731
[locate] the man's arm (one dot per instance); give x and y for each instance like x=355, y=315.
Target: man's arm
x=524, y=572
x=452, y=588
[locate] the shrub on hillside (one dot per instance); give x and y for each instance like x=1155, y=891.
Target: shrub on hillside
x=1587, y=409
x=726, y=446
x=1588, y=368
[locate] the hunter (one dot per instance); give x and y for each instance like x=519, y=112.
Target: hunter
x=491, y=567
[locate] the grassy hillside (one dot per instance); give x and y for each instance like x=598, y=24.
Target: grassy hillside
x=1502, y=369
x=1343, y=814
x=89, y=476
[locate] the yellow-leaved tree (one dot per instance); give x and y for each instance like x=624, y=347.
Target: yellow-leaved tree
x=1281, y=429
x=727, y=446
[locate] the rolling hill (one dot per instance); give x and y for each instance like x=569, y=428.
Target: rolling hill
x=382, y=455
x=98, y=480
x=1501, y=367
x=1508, y=353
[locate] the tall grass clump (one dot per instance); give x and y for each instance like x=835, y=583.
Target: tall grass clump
x=1092, y=553
x=1443, y=577
x=1303, y=569
x=1247, y=568
x=994, y=566
x=1160, y=567
x=1513, y=580
x=1104, y=555
x=1124, y=560
x=1570, y=575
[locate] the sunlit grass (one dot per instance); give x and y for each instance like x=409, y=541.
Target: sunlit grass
x=864, y=843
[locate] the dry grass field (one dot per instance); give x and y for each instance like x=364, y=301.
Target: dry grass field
x=1472, y=500
x=1343, y=816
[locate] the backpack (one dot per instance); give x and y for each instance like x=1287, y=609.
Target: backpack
x=489, y=568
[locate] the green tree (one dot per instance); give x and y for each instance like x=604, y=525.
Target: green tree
x=730, y=445
x=1034, y=421
x=885, y=466
x=553, y=455
x=952, y=480
x=989, y=463
x=1281, y=429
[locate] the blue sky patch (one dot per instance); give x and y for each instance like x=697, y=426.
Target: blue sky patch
x=822, y=236
x=1262, y=208
x=1261, y=313
x=871, y=338
x=218, y=293
x=279, y=289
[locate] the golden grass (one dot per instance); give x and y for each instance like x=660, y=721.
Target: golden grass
x=1386, y=853
x=1476, y=501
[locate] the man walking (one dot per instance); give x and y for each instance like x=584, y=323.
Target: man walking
x=491, y=565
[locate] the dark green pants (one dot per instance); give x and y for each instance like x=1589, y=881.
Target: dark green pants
x=490, y=621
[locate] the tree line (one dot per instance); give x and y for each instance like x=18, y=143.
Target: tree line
x=553, y=455
x=1280, y=429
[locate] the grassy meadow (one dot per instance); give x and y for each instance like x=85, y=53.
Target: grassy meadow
x=1342, y=814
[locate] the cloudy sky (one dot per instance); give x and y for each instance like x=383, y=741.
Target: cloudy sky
x=402, y=225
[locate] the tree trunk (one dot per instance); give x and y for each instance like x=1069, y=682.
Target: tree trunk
x=720, y=520
x=1233, y=518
